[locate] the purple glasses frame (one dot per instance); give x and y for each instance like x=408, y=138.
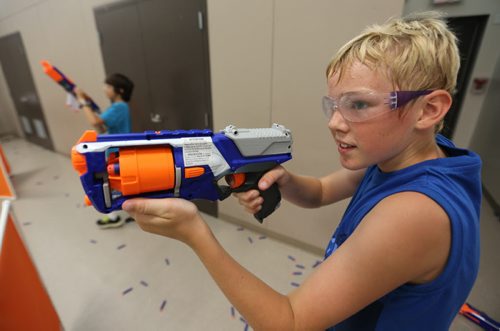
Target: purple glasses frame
x=398, y=99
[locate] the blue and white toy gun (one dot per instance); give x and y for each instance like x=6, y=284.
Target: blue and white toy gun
x=185, y=164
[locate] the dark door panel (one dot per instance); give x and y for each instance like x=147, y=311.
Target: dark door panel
x=22, y=90
x=121, y=44
x=175, y=51
x=469, y=31
x=162, y=45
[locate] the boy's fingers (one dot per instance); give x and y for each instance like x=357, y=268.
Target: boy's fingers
x=247, y=196
x=130, y=206
x=270, y=178
x=155, y=207
x=253, y=210
x=256, y=203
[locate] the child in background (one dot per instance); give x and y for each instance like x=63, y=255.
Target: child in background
x=406, y=252
x=115, y=119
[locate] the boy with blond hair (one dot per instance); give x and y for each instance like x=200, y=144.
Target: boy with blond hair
x=406, y=252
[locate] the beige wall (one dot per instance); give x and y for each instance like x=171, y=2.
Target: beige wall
x=485, y=61
x=267, y=65
x=304, y=35
x=64, y=33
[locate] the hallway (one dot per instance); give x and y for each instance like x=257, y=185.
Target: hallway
x=126, y=279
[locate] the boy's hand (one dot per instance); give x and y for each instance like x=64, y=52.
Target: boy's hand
x=80, y=94
x=174, y=218
x=251, y=200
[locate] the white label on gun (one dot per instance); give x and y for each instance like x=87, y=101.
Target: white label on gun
x=197, y=151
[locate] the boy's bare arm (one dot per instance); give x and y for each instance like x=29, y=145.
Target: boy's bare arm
x=93, y=119
x=310, y=192
x=340, y=185
x=305, y=191
x=405, y=238
x=90, y=115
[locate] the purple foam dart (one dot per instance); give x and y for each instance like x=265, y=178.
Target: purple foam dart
x=163, y=304
x=127, y=290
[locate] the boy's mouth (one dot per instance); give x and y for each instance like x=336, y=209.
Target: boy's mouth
x=344, y=147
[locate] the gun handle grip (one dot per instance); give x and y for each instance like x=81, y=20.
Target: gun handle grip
x=272, y=198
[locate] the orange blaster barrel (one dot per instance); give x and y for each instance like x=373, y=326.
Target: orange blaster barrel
x=64, y=82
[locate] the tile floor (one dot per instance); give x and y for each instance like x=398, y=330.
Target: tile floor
x=126, y=279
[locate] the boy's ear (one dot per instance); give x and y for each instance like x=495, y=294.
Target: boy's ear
x=434, y=109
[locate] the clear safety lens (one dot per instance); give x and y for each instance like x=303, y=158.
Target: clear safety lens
x=363, y=106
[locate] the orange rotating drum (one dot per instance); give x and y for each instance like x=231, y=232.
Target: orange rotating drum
x=137, y=170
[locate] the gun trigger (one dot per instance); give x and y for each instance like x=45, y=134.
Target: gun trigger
x=224, y=191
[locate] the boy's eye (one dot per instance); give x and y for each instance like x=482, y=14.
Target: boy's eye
x=357, y=104
x=360, y=105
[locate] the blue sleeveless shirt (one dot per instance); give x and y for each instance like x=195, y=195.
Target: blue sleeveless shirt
x=454, y=183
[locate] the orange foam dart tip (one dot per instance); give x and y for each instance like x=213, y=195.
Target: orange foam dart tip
x=236, y=180
x=51, y=71
x=466, y=309
x=113, y=169
x=87, y=201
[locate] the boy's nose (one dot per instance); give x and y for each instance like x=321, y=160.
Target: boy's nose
x=337, y=121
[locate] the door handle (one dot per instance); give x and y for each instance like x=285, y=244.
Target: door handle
x=155, y=118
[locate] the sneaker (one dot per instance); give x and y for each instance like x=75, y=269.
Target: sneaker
x=106, y=222
x=129, y=219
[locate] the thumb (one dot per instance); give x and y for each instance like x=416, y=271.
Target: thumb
x=271, y=177
x=155, y=207
x=133, y=206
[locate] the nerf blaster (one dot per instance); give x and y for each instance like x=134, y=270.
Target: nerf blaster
x=478, y=317
x=65, y=82
x=185, y=164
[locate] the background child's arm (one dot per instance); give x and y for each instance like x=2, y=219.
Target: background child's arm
x=90, y=115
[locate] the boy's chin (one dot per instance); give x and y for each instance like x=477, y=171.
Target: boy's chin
x=349, y=165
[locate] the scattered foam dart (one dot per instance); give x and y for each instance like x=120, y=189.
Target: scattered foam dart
x=479, y=317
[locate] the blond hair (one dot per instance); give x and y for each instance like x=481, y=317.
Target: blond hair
x=416, y=52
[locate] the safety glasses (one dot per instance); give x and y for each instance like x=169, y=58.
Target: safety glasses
x=362, y=106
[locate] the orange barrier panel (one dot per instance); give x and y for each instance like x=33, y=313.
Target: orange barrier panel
x=4, y=160
x=24, y=303
x=6, y=190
